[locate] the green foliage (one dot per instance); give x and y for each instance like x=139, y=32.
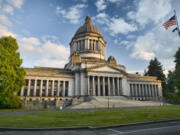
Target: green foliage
x=177, y=58
x=173, y=81
x=155, y=69
x=11, y=73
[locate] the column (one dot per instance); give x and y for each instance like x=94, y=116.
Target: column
x=153, y=88
x=150, y=89
x=52, y=88
x=88, y=86
x=22, y=91
x=118, y=92
x=68, y=90
x=155, y=94
x=104, y=86
x=132, y=89
x=86, y=44
x=41, y=85
x=47, y=86
x=99, y=91
x=147, y=90
x=157, y=91
x=140, y=90
x=35, y=84
x=142, y=94
x=29, y=87
x=93, y=86
x=113, y=83
x=120, y=87
x=63, y=88
x=109, y=93
x=144, y=90
x=154, y=91
x=58, y=88
x=135, y=90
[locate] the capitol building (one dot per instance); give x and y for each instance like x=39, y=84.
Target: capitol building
x=88, y=73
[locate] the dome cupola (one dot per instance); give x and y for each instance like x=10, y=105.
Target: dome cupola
x=88, y=42
x=112, y=60
x=88, y=27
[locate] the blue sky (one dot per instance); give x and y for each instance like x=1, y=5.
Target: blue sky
x=132, y=28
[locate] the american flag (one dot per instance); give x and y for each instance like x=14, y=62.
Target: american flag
x=170, y=22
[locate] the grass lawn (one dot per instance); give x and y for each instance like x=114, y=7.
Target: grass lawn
x=89, y=118
x=25, y=110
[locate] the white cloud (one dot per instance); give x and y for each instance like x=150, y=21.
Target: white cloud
x=101, y=5
x=150, y=10
x=30, y=41
x=44, y=53
x=49, y=37
x=53, y=50
x=115, y=1
x=144, y=47
x=5, y=32
x=73, y=14
x=114, y=25
x=51, y=63
x=157, y=43
x=124, y=42
x=8, y=9
x=101, y=18
x=4, y=20
x=118, y=25
x=59, y=10
x=16, y=3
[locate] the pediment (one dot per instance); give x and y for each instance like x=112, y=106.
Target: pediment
x=104, y=69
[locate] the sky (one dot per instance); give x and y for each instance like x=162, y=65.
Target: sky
x=132, y=29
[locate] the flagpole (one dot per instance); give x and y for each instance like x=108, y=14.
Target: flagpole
x=177, y=23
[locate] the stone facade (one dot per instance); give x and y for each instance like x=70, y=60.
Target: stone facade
x=88, y=73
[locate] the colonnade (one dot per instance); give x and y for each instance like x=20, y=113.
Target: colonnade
x=144, y=91
x=87, y=44
x=104, y=86
x=45, y=88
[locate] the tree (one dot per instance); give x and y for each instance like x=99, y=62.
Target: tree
x=155, y=69
x=11, y=73
x=177, y=57
x=176, y=79
x=173, y=79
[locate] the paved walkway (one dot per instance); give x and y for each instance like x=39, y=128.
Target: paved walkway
x=168, y=128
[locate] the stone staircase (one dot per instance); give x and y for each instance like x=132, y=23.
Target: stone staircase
x=112, y=102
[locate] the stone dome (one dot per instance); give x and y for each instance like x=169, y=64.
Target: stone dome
x=112, y=60
x=88, y=27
